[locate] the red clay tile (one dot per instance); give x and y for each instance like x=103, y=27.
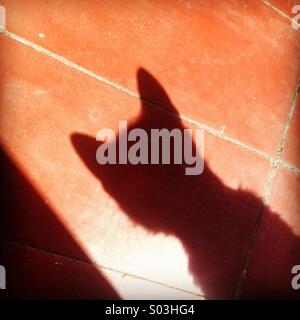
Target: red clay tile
x=284, y=5
x=34, y=274
x=26, y=217
x=187, y=232
x=278, y=243
x=230, y=64
x=291, y=151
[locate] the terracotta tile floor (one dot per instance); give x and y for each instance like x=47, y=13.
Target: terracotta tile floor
x=70, y=229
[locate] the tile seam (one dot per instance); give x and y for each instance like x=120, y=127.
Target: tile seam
x=275, y=161
x=275, y=164
x=281, y=13
x=283, y=138
x=289, y=166
x=217, y=133
x=93, y=263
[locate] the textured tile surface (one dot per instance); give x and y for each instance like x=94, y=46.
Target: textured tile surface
x=210, y=213
x=277, y=247
x=291, y=152
x=156, y=232
x=34, y=274
x=235, y=69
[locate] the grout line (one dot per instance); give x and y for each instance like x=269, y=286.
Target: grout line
x=95, y=264
x=269, y=4
x=248, y=255
x=276, y=162
x=217, y=133
x=270, y=179
x=289, y=167
x=67, y=62
x=288, y=121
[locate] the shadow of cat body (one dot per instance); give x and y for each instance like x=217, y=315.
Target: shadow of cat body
x=214, y=223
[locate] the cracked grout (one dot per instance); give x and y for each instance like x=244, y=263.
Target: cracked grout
x=97, y=265
x=277, y=159
x=217, y=133
x=289, y=167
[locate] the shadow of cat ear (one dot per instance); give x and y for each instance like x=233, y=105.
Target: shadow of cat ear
x=86, y=147
x=151, y=91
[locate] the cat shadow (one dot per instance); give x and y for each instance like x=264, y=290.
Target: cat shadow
x=42, y=258
x=214, y=223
